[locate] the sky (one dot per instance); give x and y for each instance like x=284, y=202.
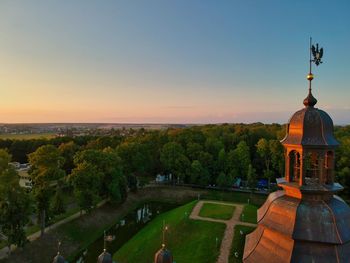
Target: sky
x=162, y=61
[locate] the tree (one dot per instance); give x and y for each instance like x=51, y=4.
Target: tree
x=263, y=149
x=195, y=172
x=344, y=178
x=222, y=162
x=58, y=206
x=198, y=174
x=272, y=153
x=85, y=179
x=15, y=204
x=224, y=180
x=46, y=168
x=108, y=172
x=241, y=159
x=193, y=149
x=68, y=150
x=251, y=177
x=173, y=159
x=277, y=156
x=213, y=146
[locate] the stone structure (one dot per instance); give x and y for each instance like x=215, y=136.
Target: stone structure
x=306, y=221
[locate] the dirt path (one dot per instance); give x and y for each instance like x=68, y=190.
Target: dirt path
x=4, y=251
x=230, y=226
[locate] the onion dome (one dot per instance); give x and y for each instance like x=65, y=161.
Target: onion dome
x=105, y=257
x=310, y=126
x=59, y=259
x=310, y=100
x=163, y=256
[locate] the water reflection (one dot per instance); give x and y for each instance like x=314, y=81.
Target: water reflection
x=123, y=230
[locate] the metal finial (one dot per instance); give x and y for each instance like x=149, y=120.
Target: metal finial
x=165, y=228
x=316, y=54
x=104, y=240
x=58, y=247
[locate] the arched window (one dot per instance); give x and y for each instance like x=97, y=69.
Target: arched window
x=294, y=166
x=312, y=169
x=329, y=167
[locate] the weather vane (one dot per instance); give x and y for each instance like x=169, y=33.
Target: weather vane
x=316, y=55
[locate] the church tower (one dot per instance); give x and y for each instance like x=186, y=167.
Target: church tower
x=306, y=221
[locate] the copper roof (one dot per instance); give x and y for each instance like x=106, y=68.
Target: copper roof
x=300, y=230
x=310, y=127
x=163, y=256
x=58, y=259
x=105, y=257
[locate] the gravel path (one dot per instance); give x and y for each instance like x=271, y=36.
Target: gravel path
x=230, y=226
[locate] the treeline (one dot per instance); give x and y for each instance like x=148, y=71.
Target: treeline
x=342, y=170
x=211, y=154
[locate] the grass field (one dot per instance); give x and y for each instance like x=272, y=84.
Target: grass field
x=27, y=136
x=217, y=211
x=238, y=243
x=189, y=240
x=249, y=214
x=235, y=197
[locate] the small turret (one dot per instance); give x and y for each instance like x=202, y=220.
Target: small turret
x=163, y=255
x=58, y=258
x=105, y=257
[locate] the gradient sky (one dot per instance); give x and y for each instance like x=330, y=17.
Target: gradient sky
x=180, y=61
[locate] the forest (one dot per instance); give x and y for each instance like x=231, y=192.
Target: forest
x=209, y=154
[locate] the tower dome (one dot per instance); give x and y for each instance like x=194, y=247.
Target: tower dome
x=163, y=255
x=310, y=127
x=105, y=257
x=59, y=259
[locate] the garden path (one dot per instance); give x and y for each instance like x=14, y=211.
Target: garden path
x=226, y=243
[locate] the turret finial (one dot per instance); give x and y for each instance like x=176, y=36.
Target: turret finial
x=315, y=57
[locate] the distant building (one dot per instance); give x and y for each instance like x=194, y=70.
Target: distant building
x=163, y=178
x=25, y=180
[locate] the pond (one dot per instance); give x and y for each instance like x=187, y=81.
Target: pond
x=123, y=230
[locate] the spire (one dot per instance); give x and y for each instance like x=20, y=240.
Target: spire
x=165, y=228
x=105, y=257
x=163, y=255
x=59, y=258
x=316, y=54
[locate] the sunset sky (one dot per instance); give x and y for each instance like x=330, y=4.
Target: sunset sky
x=180, y=61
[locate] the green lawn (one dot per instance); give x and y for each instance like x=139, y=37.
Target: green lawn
x=217, y=211
x=235, y=197
x=189, y=240
x=249, y=214
x=238, y=243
